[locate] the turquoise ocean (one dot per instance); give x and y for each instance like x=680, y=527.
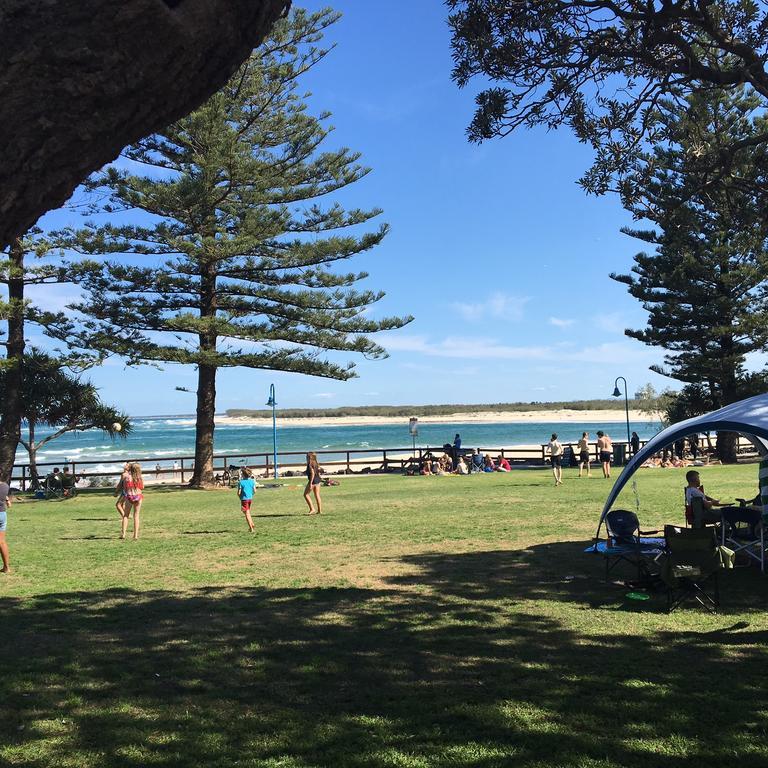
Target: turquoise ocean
x=163, y=438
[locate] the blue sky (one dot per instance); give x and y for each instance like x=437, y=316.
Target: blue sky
x=494, y=249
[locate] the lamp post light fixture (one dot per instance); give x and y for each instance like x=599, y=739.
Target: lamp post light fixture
x=272, y=403
x=617, y=393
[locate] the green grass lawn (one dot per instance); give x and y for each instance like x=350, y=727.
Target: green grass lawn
x=419, y=622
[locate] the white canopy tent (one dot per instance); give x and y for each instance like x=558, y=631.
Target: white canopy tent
x=748, y=417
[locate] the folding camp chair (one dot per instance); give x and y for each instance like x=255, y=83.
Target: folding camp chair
x=53, y=487
x=691, y=566
x=743, y=532
x=627, y=543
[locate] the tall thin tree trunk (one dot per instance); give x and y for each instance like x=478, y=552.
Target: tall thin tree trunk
x=10, y=411
x=32, y=451
x=206, y=409
x=206, y=383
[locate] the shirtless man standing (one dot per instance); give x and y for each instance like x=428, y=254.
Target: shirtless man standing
x=605, y=447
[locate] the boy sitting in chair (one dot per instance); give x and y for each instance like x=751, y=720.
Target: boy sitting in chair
x=695, y=491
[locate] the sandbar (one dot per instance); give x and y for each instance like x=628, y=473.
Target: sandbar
x=560, y=416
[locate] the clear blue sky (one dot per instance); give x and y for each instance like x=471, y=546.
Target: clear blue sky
x=494, y=249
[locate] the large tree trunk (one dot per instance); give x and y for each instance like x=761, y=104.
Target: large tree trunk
x=206, y=381
x=206, y=409
x=81, y=79
x=726, y=447
x=10, y=414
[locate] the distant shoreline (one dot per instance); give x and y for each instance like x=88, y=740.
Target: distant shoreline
x=556, y=416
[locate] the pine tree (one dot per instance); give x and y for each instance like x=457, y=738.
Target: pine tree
x=235, y=265
x=704, y=284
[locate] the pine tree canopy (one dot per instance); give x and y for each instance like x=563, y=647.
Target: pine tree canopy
x=601, y=67
x=237, y=263
x=704, y=285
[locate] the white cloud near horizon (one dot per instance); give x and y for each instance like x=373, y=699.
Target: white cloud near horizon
x=499, y=305
x=560, y=322
x=324, y=395
x=471, y=348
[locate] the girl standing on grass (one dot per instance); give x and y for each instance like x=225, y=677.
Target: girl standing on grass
x=313, y=484
x=132, y=489
x=245, y=490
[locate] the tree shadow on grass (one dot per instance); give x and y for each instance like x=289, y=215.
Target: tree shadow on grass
x=459, y=675
x=559, y=571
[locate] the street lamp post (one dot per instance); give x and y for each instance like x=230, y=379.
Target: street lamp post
x=272, y=402
x=617, y=393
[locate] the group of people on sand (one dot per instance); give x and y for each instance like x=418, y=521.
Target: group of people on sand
x=604, y=450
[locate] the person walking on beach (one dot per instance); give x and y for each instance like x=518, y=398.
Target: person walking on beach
x=133, y=496
x=556, y=457
x=604, y=446
x=5, y=505
x=313, y=484
x=583, y=449
x=245, y=489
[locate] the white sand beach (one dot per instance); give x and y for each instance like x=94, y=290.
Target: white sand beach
x=562, y=416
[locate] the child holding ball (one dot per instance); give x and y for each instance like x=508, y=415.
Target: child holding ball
x=245, y=489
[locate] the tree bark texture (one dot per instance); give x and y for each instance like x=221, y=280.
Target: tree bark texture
x=206, y=409
x=81, y=79
x=206, y=382
x=726, y=447
x=10, y=411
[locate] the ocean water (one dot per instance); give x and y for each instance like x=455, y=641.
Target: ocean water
x=161, y=439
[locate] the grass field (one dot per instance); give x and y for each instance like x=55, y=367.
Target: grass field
x=419, y=622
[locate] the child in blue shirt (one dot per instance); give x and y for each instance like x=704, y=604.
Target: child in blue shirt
x=245, y=489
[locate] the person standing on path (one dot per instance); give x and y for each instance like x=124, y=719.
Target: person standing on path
x=583, y=449
x=245, y=489
x=5, y=505
x=634, y=441
x=556, y=457
x=313, y=484
x=605, y=446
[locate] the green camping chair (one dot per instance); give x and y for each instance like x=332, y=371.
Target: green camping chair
x=691, y=567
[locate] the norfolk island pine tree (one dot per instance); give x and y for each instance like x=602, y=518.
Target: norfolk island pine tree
x=704, y=285
x=235, y=265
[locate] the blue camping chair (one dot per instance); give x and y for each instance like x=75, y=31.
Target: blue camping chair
x=627, y=543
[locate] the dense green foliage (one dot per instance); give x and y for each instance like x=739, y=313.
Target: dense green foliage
x=431, y=410
x=419, y=622
x=238, y=264
x=602, y=67
x=704, y=284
